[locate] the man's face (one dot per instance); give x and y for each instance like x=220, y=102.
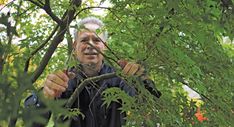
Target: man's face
x=85, y=48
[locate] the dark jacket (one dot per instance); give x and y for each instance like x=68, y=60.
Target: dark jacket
x=90, y=101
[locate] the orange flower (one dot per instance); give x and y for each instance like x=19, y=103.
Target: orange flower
x=200, y=116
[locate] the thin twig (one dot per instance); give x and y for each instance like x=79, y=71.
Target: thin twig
x=14, y=117
x=103, y=53
x=35, y=3
x=57, y=39
x=25, y=11
x=116, y=61
x=77, y=91
x=47, y=2
x=48, y=10
x=110, y=9
x=39, y=48
x=107, y=46
x=87, y=8
x=69, y=42
x=7, y=5
x=68, y=16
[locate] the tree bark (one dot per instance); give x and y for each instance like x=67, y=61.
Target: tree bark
x=1, y=65
x=68, y=17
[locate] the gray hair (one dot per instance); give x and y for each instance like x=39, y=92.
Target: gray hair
x=90, y=20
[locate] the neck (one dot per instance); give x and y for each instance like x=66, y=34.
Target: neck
x=91, y=69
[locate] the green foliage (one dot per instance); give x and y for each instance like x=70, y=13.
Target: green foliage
x=115, y=94
x=178, y=42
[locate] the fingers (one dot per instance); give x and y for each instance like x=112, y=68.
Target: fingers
x=48, y=93
x=133, y=69
x=55, y=84
x=127, y=68
x=140, y=71
x=62, y=75
x=58, y=78
x=71, y=75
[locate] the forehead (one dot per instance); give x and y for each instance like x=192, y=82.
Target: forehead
x=85, y=33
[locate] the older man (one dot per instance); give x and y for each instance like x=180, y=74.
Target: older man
x=89, y=46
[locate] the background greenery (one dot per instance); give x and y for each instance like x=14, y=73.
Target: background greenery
x=179, y=42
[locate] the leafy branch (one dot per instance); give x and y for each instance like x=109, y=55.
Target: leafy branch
x=112, y=11
x=47, y=9
x=68, y=17
x=84, y=83
x=39, y=48
x=36, y=3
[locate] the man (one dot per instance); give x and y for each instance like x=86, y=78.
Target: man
x=89, y=46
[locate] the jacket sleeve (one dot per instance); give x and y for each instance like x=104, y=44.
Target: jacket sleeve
x=32, y=102
x=131, y=91
x=150, y=86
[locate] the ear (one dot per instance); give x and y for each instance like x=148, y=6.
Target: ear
x=74, y=49
x=74, y=44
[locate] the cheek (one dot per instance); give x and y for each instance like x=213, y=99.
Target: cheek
x=101, y=47
x=77, y=52
x=80, y=48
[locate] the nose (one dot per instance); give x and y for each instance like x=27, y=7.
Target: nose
x=90, y=44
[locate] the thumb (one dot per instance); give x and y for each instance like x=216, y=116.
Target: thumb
x=122, y=63
x=69, y=74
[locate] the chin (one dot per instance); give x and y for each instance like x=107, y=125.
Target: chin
x=90, y=62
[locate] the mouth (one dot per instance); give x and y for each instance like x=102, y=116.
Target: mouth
x=91, y=53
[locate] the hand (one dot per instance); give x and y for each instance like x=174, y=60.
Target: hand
x=130, y=68
x=55, y=84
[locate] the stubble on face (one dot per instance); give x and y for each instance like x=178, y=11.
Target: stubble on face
x=87, y=55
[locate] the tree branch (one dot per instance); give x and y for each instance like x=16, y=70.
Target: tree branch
x=77, y=91
x=47, y=2
x=39, y=48
x=87, y=8
x=1, y=64
x=7, y=5
x=69, y=14
x=48, y=10
x=14, y=117
x=57, y=39
x=35, y=3
x=69, y=42
x=110, y=9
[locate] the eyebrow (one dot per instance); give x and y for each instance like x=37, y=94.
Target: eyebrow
x=86, y=36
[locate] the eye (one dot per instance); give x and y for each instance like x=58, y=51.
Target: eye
x=97, y=40
x=84, y=40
